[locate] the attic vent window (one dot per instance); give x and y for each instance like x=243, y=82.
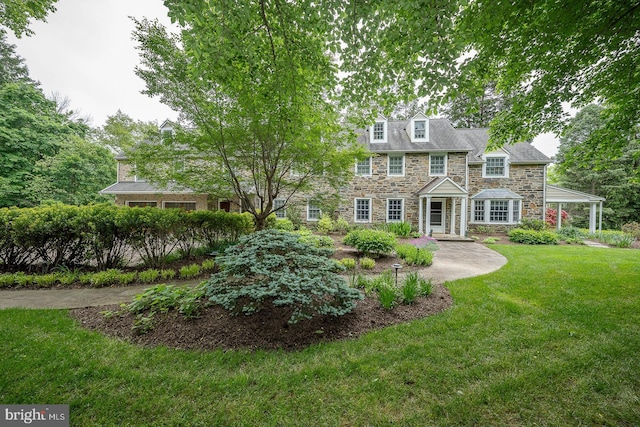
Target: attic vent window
x=420, y=129
x=378, y=131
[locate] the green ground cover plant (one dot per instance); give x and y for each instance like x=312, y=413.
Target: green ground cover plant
x=533, y=237
x=553, y=338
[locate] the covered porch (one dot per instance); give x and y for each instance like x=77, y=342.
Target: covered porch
x=442, y=208
x=559, y=196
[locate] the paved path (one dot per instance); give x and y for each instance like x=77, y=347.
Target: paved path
x=454, y=260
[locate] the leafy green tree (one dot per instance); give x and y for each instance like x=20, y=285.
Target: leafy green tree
x=16, y=14
x=121, y=132
x=74, y=175
x=251, y=82
x=615, y=178
x=476, y=112
x=540, y=54
x=12, y=66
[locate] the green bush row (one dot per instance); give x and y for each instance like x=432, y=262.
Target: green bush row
x=109, y=277
x=108, y=236
x=533, y=237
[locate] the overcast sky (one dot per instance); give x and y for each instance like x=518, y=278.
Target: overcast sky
x=84, y=52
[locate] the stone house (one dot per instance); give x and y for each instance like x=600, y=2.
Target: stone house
x=423, y=171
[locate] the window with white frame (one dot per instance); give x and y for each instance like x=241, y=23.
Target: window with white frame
x=142, y=204
x=187, y=206
x=395, y=210
x=379, y=132
x=495, y=167
x=396, y=165
x=500, y=211
x=420, y=129
x=278, y=208
x=437, y=164
x=362, y=210
x=363, y=167
x=313, y=212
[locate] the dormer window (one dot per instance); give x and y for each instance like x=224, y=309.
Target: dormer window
x=420, y=129
x=379, y=132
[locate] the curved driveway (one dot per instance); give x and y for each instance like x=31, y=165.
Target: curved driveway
x=454, y=260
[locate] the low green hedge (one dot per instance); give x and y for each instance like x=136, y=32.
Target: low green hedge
x=533, y=237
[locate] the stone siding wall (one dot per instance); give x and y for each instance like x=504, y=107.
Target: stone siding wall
x=126, y=172
x=525, y=180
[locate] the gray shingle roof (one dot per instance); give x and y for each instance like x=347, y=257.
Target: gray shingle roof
x=143, y=188
x=496, y=193
x=443, y=137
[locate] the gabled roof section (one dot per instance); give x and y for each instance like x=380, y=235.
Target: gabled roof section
x=520, y=153
x=144, y=188
x=442, y=186
x=557, y=194
x=442, y=138
x=496, y=193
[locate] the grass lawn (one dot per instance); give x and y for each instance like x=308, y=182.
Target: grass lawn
x=553, y=338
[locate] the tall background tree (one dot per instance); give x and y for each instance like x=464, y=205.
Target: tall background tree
x=540, y=55
x=468, y=111
x=251, y=82
x=616, y=178
x=121, y=132
x=16, y=15
x=36, y=133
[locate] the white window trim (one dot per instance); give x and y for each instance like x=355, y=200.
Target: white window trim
x=389, y=164
x=494, y=156
x=164, y=203
x=370, y=168
x=309, y=204
x=487, y=212
x=426, y=130
x=355, y=210
x=401, y=209
x=445, y=155
x=282, y=212
x=141, y=201
x=384, y=133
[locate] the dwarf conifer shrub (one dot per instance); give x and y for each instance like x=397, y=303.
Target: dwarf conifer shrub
x=270, y=267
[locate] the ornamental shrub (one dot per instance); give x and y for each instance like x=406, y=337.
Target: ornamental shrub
x=533, y=224
x=367, y=263
x=371, y=242
x=190, y=271
x=400, y=229
x=633, y=229
x=413, y=255
x=326, y=225
x=306, y=236
x=342, y=226
x=349, y=263
x=533, y=237
x=284, y=224
x=270, y=267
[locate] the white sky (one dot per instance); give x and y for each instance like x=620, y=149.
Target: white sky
x=84, y=52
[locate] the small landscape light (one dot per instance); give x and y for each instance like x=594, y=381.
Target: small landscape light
x=397, y=267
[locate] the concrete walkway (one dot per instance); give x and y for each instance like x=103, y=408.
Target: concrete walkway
x=454, y=260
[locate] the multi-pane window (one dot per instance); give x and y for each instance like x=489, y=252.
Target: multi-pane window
x=378, y=131
x=313, y=212
x=419, y=129
x=362, y=210
x=396, y=165
x=438, y=164
x=495, y=167
x=187, y=206
x=499, y=211
x=136, y=204
x=478, y=211
x=363, y=167
x=277, y=205
x=395, y=210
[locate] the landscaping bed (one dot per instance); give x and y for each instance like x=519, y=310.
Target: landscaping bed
x=267, y=329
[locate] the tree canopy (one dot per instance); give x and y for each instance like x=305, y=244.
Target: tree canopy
x=251, y=82
x=17, y=14
x=540, y=54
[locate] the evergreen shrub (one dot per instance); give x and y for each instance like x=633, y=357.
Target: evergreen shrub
x=533, y=237
x=270, y=267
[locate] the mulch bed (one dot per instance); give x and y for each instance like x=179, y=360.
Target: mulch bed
x=268, y=329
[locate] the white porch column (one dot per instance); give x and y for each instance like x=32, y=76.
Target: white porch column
x=427, y=221
x=600, y=221
x=420, y=214
x=453, y=216
x=463, y=216
x=592, y=217
x=559, y=217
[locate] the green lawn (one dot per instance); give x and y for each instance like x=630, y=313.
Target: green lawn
x=551, y=339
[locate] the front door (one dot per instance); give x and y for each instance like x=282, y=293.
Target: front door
x=436, y=218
